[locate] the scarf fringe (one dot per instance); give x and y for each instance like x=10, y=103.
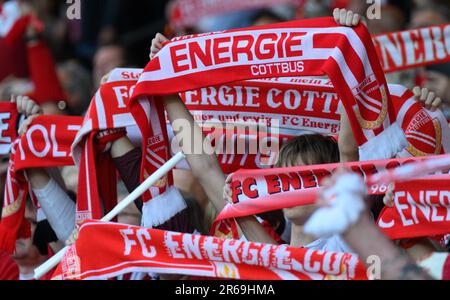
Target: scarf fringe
x=162, y=208
x=384, y=146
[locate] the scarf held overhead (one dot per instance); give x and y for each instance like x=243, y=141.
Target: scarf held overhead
x=259, y=191
x=413, y=48
x=134, y=249
x=46, y=144
x=280, y=109
x=421, y=209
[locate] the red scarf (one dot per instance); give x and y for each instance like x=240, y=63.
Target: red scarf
x=130, y=249
x=299, y=48
x=46, y=144
x=422, y=209
x=110, y=109
x=8, y=122
x=299, y=105
x=413, y=48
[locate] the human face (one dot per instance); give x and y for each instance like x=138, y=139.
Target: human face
x=300, y=214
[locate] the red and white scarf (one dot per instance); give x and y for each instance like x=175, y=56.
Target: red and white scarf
x=110, y=109
x=422, y=209
x=46, y=144
x=299, y=48
x=134, y=249
x=8, y=124
x=259, y=191
x=413, y=48
x=187, y=13
x=13, y=24
x=294, y=106
x=97, y=193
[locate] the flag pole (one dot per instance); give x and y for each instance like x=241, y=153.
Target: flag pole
x=150, y=181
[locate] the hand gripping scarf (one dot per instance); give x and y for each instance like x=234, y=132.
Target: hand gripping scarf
x=299, y=48
x=134, y=249
x=46, y=144
x=109, y=109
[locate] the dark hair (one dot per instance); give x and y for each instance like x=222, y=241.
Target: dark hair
x=313, y=149
x=267, y=13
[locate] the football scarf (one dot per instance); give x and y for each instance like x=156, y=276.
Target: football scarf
x=46, y=144
x=259, y=191
x=277, y=110
x=413, y=48
x=300, y=48
x=134, y=249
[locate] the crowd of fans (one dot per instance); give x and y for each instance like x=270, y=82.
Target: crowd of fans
x=56, y=71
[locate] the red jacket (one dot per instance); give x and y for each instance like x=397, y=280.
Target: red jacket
x=8, y=268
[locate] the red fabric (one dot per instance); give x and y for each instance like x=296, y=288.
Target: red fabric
x=46, y=144
x=422, y=209
x=187, y=13
x=446, y=273
x=47, y=87
x=109, y=110
x=150, y=250
x=259, y=191
x=298, y=48
x=413, y=48
x=8, y=268
x=12, y=60
x=8, y=123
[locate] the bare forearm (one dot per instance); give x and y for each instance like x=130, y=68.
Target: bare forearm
x=38, y=178
x=366, y=240
x=348, y=148
x=203, y=162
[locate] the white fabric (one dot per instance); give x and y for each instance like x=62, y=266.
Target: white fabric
x=162, y=208
x=58, y=208
x=386, y=145
x=434, y=265
x=345, y=204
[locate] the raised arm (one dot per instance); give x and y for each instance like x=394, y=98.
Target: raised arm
x=343, y=211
